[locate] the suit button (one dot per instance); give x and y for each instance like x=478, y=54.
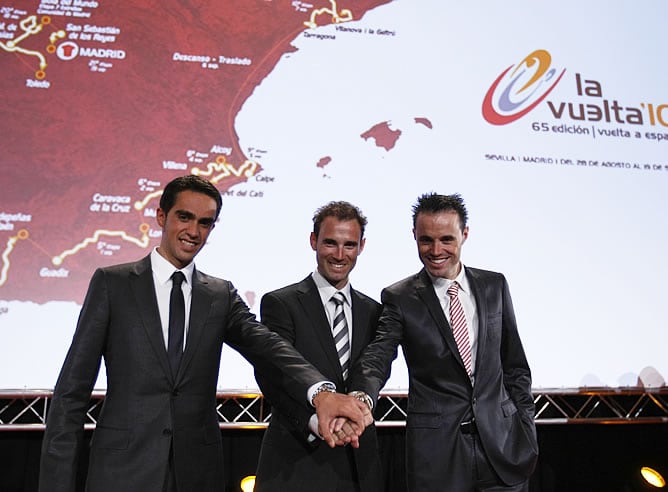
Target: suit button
x=167, y=432
x=175, y=393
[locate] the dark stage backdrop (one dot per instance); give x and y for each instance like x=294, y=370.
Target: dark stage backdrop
x=574, y=458
x=551, y=118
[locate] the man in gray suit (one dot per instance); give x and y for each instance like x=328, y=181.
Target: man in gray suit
x=470, y=415
x=157, y=430
x=293, y=456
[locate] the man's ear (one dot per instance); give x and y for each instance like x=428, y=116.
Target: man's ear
x=161, y=217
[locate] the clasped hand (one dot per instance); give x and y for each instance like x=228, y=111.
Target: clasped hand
x=341, y=418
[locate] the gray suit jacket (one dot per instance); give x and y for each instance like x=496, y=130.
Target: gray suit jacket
x=146, y=410
x=288, y=460
x=441, y=395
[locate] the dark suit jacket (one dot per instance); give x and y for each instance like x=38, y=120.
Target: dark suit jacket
x=288, y=461
x=146, y=410
x=441, y=395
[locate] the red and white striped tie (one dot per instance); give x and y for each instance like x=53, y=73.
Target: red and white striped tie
x=459, y=329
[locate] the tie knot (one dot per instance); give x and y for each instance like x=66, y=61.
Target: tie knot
x=453, y=289
x=338, y=298
x=178, y=278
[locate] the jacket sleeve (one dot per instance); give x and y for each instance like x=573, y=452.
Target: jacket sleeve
x=373, y=367
x=63, y=437
x=269, y=352
x=516, y=372
x=295, y=414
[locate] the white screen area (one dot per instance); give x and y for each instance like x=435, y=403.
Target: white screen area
x=550, y=119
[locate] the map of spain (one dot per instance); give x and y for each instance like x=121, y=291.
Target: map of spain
x=104, y=102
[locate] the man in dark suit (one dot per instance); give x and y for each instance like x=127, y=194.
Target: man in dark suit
x=293, y=456
x=157, y=430
x=470, y=415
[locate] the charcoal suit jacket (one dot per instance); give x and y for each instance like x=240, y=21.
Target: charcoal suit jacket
x=146, y=410
x=441, y=395
x=288, y=459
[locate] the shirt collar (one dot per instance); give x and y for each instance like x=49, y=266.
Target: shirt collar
x=327, y=290
x=444, y=283
x=163, y=269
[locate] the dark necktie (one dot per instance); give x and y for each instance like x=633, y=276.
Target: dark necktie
x=340, y=333
x=177, y=321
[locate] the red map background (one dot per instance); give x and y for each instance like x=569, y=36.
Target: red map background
x=101, y=132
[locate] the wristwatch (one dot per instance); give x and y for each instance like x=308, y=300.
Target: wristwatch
x=328, y=387
x=363, y=397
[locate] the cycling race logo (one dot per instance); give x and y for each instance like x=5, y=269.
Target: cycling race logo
x=520, y=88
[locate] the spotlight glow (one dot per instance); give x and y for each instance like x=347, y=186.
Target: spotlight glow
x=653, y=477
x=248, y=483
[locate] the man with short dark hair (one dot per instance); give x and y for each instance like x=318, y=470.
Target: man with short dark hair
x=470, y=415
x=329, y=323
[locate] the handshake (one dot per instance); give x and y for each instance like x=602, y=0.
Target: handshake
x=342, y=418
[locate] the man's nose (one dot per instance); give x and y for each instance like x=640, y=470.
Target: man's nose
x=193, y=228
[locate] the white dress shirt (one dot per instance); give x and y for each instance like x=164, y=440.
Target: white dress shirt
x=162, y=280
x=326, y=291
x=468, y=304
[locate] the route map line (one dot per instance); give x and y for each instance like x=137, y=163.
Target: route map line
x=5, y=256
x=31, y=27
x=220, y=166
x=142, y=243
x=248, y=169
x=140, y=204
x=344, y=16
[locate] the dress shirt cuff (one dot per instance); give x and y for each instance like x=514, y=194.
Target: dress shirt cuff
x=313, y=427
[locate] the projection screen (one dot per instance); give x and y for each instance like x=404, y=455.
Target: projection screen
x=551, y=120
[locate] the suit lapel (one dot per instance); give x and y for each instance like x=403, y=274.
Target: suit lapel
x=141, y=284
x=425, y=290
x=360, y=326
x=199, y=311
x=481, y=308
x=309, y=299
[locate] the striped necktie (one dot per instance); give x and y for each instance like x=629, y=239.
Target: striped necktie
x=340, y=333
x=459, y=328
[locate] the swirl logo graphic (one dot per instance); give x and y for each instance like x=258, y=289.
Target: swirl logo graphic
x=520, y=88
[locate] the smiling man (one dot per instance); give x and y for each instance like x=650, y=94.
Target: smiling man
x=470, y=410
x=329, y=323
x=159, y=323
